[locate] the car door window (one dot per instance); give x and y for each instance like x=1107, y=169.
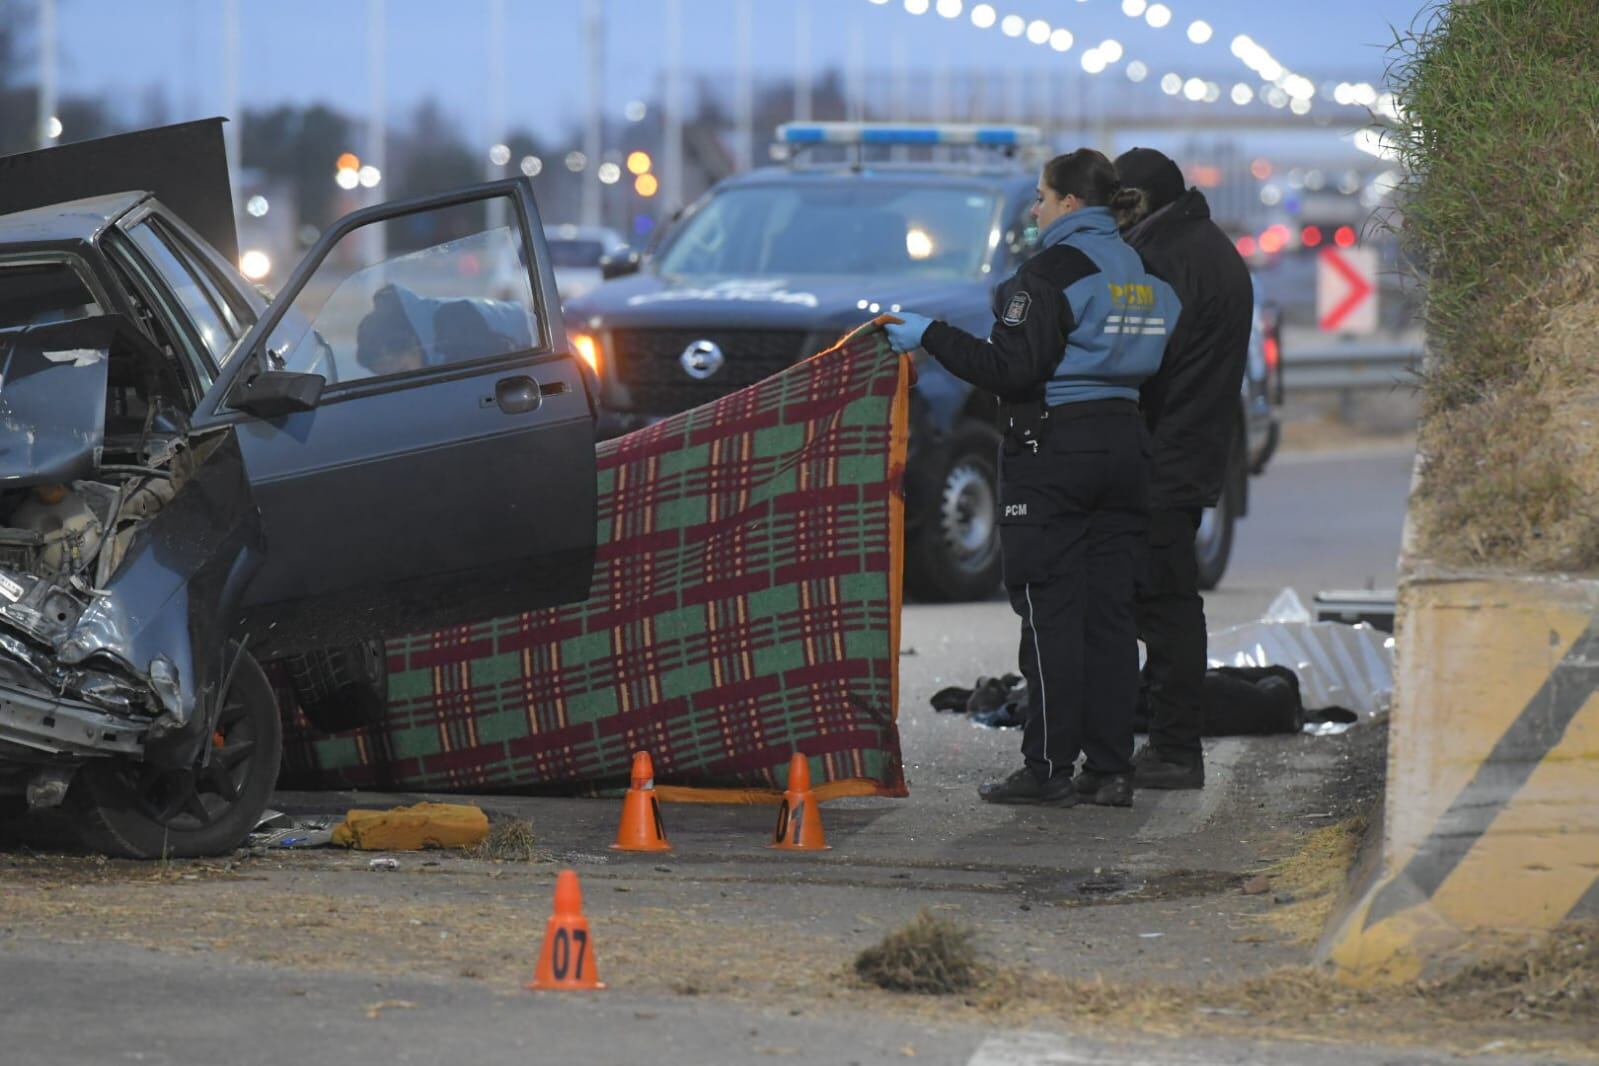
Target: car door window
x=428, y=290
x=213, y=329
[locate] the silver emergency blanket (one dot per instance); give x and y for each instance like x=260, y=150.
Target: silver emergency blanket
x=1338, y=665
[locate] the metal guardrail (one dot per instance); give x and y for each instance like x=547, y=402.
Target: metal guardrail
x=1350, y=366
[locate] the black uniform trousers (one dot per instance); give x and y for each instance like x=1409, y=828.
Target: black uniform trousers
x=1171, y=623
x=1073, y=531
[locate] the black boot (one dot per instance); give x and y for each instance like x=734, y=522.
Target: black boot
x=1151, y=769
x=1105, y=790
x=1023, y=786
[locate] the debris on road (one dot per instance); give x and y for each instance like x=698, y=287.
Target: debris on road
x=279, y=830
x=929, y=955
x=425, y=825
x=375, y=1010
x=383, y=864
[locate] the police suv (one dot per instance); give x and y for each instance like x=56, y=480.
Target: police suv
x=772, y=265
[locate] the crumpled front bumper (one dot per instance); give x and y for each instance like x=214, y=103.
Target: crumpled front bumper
x=55, y=725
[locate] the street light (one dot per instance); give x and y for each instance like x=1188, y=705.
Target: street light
x=646, y=185
x=638, y=162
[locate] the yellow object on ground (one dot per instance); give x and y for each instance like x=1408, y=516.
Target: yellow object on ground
x=1491, y=822
x=426, y=825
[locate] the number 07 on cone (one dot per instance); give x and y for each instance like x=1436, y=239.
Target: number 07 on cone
x=566, y=959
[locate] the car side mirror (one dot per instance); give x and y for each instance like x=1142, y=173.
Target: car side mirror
x=620, y=264
x=275, y=393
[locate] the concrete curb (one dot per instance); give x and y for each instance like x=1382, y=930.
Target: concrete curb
x=1490, y=828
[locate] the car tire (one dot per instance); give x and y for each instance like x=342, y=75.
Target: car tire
x=341, y=688
x=131, y=810
x=1213, y=542
x=953, y=553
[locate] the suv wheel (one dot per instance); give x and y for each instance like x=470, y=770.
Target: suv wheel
x=1213, y=544
x=136, y=811
x=954, y=553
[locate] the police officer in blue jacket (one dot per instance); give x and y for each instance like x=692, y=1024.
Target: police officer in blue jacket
x=1078, y=329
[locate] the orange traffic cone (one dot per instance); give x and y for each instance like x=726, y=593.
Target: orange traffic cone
x=799, y=819
x=641, y=828
x=566, y=960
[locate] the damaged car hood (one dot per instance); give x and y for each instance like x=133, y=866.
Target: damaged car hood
x=52, y=400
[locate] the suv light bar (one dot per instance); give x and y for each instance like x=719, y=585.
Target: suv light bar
x=802, y=133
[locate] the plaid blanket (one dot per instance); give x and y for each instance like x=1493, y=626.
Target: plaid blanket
x=745, y=606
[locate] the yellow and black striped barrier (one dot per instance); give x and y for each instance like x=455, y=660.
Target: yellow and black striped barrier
x=1491, y=822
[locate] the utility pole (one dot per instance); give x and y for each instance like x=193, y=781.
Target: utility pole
x=374, y=237
x=856, y=87
x=672, y=173
x=802, y=61
x=44, y=126
x=593, y=130
x=230, y=97
x=941, y=87
x=899, y=91
x=744, y=88
x=495, y=169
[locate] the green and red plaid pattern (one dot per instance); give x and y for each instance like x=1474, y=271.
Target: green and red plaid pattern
x=745, y=606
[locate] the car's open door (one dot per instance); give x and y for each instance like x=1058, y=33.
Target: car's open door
x=418, y=438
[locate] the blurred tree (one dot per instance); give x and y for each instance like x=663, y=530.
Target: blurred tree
x=81, y=117
x=17, y=96
x=430, y=157
x=300, y=145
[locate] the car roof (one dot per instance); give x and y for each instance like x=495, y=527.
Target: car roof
x=74, y=221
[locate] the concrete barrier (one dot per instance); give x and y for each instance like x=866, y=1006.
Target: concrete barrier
x=1490, y=827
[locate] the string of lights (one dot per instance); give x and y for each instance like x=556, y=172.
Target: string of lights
x=1279, y=87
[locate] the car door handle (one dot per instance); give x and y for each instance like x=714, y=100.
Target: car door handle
x=517, y=395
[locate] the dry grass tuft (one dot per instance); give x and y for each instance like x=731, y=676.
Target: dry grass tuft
x=932, y=955
x=508, y=841
x=1557, y=980
x=1314, y=876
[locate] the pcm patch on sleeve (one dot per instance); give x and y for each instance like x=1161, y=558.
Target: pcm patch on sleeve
x=1016, y=311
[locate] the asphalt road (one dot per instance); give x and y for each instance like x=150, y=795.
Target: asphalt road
x=316, y=958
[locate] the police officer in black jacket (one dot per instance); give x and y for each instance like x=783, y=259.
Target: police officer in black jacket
x=1078, y=329
x=1191, y=408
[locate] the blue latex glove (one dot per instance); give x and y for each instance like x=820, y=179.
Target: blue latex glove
x=906, y=335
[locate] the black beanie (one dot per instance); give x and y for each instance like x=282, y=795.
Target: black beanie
x=1154, y=173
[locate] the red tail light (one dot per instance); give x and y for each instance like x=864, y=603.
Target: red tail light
x=1273, y=354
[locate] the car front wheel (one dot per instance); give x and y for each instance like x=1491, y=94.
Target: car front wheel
x=953, y=553
x=136, y=811
x=1213, y=544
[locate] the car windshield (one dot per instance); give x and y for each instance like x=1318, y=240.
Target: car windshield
x=564, y=253
x=845, y=227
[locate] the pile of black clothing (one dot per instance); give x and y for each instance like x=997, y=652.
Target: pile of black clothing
x=1236, y=702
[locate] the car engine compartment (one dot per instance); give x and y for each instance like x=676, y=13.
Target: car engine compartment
x=95, y=448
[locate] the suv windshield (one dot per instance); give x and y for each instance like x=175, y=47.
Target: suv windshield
x=844, y=227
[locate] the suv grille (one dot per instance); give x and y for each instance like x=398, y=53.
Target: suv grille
x=646, y=361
